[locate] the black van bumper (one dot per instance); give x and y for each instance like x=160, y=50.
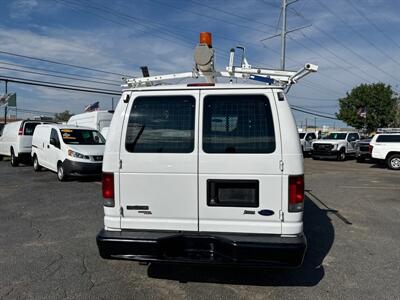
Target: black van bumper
x=203, y=247
x=81, y=168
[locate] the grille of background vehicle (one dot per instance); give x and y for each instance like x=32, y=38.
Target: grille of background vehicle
x=323, y=147
x=364, y=147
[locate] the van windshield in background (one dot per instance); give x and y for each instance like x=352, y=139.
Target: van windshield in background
x=302, y=135
x=162, y=124
x=82, y=137
x=238, y=124
x=29, y=128
x=335, y=136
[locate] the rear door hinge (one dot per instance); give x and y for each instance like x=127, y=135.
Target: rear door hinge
x=281, y=164
x=120, y=164
x=121, y=210
x=281, y=216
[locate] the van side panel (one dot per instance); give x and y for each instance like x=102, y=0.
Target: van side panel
x=292, y=158
x=9, y=139
x=111, y=163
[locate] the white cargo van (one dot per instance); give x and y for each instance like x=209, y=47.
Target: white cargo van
x=16, y=140
x=96, y=119
x=204, y=172
x=67, y=150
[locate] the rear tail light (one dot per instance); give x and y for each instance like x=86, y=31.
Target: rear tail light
x=108, y=189
x=370, y=148
x=296, y=193
x=21, y=130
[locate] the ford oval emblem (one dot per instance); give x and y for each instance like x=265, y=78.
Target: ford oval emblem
x=266, y=212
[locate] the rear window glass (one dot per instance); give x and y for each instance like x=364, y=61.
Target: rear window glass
x=82, y=137
x=335, y=136
x=238, y=124
x=29, y=128
x=388, y=138
x=301, y=135
x=163, y=124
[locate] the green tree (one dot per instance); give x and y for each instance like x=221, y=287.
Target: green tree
x=369, y=106
x=63, y=116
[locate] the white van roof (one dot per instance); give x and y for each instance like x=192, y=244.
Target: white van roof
x=63, y=126
x=203, y=85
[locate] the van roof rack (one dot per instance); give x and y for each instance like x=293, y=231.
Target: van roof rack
x=204, y=67
x=388, y=130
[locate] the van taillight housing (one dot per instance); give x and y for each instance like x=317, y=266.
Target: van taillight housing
x=21, y=130
x=370, y=148
x=296, y=193
x=108, y=189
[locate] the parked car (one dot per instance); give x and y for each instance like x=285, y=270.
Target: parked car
x=67, y=150
x=385, y=147
x=362, y=150
x=339, y=145
x=99, y=119
x=306, y=139
x=16, y=140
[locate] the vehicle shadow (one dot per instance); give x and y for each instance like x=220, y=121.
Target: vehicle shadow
x=320, y=236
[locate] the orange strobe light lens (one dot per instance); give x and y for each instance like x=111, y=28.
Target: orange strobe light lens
x=206, y=38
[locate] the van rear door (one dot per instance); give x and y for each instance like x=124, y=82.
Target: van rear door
x=25, y=139
x=240, y=179
x=159, y=162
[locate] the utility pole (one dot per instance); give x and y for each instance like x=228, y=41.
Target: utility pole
x=284, y=32
x=112, y=103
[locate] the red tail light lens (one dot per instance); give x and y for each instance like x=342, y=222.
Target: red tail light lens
x=21, y=130
x=108, y=189
x=370, y=148
x=296, y=193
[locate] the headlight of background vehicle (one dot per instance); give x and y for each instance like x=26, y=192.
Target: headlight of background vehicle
x=77, y=155
x=335, y=147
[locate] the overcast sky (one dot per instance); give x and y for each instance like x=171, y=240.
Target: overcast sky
x=352, y=41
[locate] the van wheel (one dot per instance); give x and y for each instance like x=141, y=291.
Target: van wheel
x=14, y=159
x=393, y=162
x=61, y=175
x=360, y=159
x=36, y=165
x=342, y=155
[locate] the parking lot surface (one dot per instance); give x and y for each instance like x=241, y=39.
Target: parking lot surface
x=48, y=248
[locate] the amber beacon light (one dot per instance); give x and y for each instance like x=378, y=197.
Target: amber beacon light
x=206, y=38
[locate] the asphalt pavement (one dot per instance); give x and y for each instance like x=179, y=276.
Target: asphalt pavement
x=48, y=248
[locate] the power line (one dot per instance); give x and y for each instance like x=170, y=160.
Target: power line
x=57, y=72
x=380, y=50
x=58, y=76
x=373, y=24
x=313, y=114
x=60, y=63
x=347, y=47
x=313, y=110
x=231, y=14
x=58, y=85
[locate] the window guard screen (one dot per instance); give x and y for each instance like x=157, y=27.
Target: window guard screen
x=238, y=124
x=162, y=124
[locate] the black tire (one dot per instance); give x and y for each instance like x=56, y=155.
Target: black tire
x=393, y=162
x=1, y=157
x=315, y=158
x=36, y=166
x=341, y=155
x=360, y=159
x=14, y=159
x=61, y=174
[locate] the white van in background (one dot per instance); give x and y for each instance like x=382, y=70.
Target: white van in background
x=98, y=120
x=16, y=140
x=67, y=150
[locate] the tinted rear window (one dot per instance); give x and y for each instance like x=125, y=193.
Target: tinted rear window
x=29, y=128
x=388, y=138
x=238, y=124
x=162, y=124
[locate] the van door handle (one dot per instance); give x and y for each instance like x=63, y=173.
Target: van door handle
x=48, y=146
